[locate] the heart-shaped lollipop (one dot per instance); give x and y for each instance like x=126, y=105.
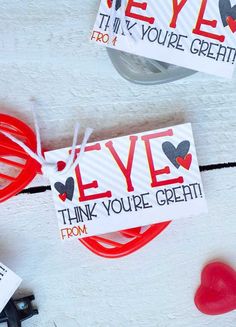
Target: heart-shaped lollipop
x=217, y=292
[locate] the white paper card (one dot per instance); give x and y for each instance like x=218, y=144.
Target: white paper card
x=199, y=34
x=130, y=181
x=9, y=282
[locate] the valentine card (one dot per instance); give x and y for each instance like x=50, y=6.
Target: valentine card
x=9, y=282
x=199, y=34
x=129, y=181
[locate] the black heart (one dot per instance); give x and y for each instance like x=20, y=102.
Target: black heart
x=67, y=188
x=172, y=152
x=226, y=10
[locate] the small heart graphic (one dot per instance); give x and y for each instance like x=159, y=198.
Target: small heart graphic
x=232, y=23
x=61, y=165
x=62, y=197
x=65, y=189
x=226, y=10
x=217, y=292
x=186, y=161
x=173, y=153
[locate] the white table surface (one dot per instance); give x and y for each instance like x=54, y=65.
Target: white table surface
x=45, y=53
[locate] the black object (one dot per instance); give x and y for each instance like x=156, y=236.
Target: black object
x=18, y=310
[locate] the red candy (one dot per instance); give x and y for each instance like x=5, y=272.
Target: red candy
x=217, y=292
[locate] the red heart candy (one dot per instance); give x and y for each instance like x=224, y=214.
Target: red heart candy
x=217, y=292
x=232, y=23
x=185, y=162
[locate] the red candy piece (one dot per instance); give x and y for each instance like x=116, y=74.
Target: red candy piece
x=217, y=292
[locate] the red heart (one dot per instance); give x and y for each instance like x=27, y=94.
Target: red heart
x=217, y=293
x=61, y=165
x=63, y=197
x=232, y=23
x=185, y=162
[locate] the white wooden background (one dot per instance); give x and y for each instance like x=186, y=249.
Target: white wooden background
x=45, y=53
